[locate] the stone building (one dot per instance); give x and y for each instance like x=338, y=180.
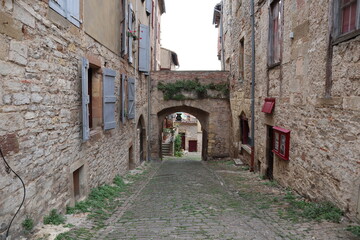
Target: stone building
x=74, y=87
x=169, y=60
x=307, y=81
x=190, y=130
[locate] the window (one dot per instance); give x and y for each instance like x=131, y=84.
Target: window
x=275, y=35
x=109, y=98
x=346, y=17
x=131, y=165
x=76, y=182
x=131, y=28
x=131, y=98
x=95, y=103
x=98, y=97
x=123, y=98
x=124, y=25
x=281, y=142
x=241, y=60
x=144, y=49
x=79, y=183
x=69, y=9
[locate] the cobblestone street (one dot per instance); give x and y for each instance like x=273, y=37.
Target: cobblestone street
x=190, y=200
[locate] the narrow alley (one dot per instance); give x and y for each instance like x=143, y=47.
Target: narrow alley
x=156, y=119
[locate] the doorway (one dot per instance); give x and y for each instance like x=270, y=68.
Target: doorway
x=269, y=153
x=192, y=146
x=183, y=140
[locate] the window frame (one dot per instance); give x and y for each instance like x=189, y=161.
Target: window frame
x=281, y=142
x=272, y=62
x=339, y=37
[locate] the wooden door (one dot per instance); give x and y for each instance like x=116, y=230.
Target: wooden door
x=192, y=146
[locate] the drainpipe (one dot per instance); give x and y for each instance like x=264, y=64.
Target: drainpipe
x=155, y=32
x=222, y=37
x=149, y=79
x=149, y=119
x=252, y=162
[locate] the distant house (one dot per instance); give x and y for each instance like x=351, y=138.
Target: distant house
x=169, y=60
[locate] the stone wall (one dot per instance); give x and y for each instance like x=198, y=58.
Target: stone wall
x=324, y=147
x=213, y=113
x=41, y=115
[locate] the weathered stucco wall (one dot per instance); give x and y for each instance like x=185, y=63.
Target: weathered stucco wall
x=324, y=147
x=99, y=22
x=213, y=114
x=40, y=112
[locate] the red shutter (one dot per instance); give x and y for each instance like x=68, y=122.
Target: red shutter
x=268, y=105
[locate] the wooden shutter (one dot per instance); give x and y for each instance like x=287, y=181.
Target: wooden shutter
x=131, y=98
x=73, y=11
x=85, y=99
x=148, y=6
x=109, y=98
x=123, y=92
x=59, y=6
x=144, y=48
x=130, y=23
x=124, y=49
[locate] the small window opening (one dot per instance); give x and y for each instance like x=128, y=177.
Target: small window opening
x=241, y=60
x=77, y=175
x=131, y=158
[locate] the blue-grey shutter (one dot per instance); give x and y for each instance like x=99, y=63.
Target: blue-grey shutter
x=123, y=92
x=58, y=6
x=109, y=98
x=130, y=22
x=124, y=49
x=148, y=6
x=144, y=48
x=73, y=11
x=131, y=98
x=85, y=99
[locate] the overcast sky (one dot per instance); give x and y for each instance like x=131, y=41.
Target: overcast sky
x=187, y=29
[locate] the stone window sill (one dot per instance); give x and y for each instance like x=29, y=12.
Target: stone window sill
x=247, y=148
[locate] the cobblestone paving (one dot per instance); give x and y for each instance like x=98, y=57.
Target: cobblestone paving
x=189, y=200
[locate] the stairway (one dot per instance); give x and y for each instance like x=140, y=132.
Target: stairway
x=167, y=149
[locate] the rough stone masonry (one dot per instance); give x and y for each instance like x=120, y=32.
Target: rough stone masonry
x=40, y=112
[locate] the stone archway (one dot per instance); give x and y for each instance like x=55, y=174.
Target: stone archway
x=212, y=110
x=201, y=115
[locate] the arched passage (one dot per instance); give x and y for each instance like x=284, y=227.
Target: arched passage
x=141, y=139
x=212, y=110
x=201, y=115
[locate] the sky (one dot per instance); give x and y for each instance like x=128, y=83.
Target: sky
x=187, y=29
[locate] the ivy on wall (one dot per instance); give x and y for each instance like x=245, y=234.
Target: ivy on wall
x=175, y=91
